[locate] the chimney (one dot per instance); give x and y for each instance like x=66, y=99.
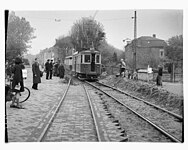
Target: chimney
x=154, y=35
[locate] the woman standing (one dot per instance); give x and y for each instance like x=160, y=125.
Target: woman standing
x=61, y=71
x=17, y=83
x=36, y=74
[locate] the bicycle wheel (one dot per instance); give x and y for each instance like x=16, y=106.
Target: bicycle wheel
x=24, y=95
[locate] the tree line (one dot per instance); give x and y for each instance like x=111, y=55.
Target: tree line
x=19, y=35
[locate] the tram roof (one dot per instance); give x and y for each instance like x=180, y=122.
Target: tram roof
x=68, y=57
x=89, y=51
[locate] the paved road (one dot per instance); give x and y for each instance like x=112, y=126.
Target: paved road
x=22, y=122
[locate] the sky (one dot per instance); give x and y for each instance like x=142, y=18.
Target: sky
x=118, y=24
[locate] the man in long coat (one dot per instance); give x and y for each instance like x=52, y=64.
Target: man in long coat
x=47, y=68
x=36, y=74
x=51, y=68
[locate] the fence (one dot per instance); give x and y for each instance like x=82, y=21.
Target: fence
x=167, y=77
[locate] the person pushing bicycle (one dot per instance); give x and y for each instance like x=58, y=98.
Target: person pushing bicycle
x=17, y=82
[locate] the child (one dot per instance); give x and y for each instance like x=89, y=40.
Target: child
x=17, y=82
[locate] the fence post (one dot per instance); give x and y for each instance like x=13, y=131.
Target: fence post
x=173, y=72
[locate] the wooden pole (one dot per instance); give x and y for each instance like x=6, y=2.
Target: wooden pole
x=135, y=41
x=173, y=72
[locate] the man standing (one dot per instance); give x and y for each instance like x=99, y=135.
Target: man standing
x=47, y=68
x=122, y=68
x=159, y=76
x=51, y=68
x=36, y=74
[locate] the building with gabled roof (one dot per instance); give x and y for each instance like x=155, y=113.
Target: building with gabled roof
x=149, y=51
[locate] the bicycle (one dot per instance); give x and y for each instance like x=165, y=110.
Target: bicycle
x=9, y=94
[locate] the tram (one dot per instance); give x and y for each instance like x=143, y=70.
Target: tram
x=68, y=62
x=85, y=64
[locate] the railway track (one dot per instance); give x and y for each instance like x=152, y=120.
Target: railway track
x=80, y=116
x=167, y=123
x=137, y=98
x=46, y=128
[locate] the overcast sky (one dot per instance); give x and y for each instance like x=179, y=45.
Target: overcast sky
x=118, y=24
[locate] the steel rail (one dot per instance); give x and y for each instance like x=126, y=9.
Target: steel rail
x=54, y=113
x=135, y=97
x=93, y=115
x=147, y=120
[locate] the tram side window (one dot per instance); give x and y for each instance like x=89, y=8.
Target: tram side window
x=87, y=58
x=97, y=59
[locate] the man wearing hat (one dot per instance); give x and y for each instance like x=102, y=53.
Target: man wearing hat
x=51, y=68
x=36, y=74
x=47, y=68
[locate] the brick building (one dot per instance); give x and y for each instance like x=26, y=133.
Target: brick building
x=149, y=51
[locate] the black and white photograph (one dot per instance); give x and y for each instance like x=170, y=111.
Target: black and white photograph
x=94, y=75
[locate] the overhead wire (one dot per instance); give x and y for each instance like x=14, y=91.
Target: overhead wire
x=68, y=20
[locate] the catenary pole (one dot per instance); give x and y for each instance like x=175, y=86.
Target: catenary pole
x=135, y=40
x=135, y=36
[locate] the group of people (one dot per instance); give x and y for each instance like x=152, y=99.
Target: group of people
x=55, y=69
x=14, y=72
x=49, y=68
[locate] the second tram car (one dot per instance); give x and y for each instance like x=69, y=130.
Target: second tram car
x=68, y=62
x=86, y=64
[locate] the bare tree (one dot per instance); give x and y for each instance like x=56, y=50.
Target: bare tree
x=87, y=33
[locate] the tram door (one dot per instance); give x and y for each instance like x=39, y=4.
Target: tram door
x=93, y=62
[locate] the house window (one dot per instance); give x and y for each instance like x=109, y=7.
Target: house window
x=161, y=53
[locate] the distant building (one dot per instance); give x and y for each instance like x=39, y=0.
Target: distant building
x=44, y=55
x=149, y=51
x=55, y=53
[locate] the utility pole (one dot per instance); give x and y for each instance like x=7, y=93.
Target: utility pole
x=135, y=40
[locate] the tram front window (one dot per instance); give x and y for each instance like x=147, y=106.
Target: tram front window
x=97, y=59
x=87, y=58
